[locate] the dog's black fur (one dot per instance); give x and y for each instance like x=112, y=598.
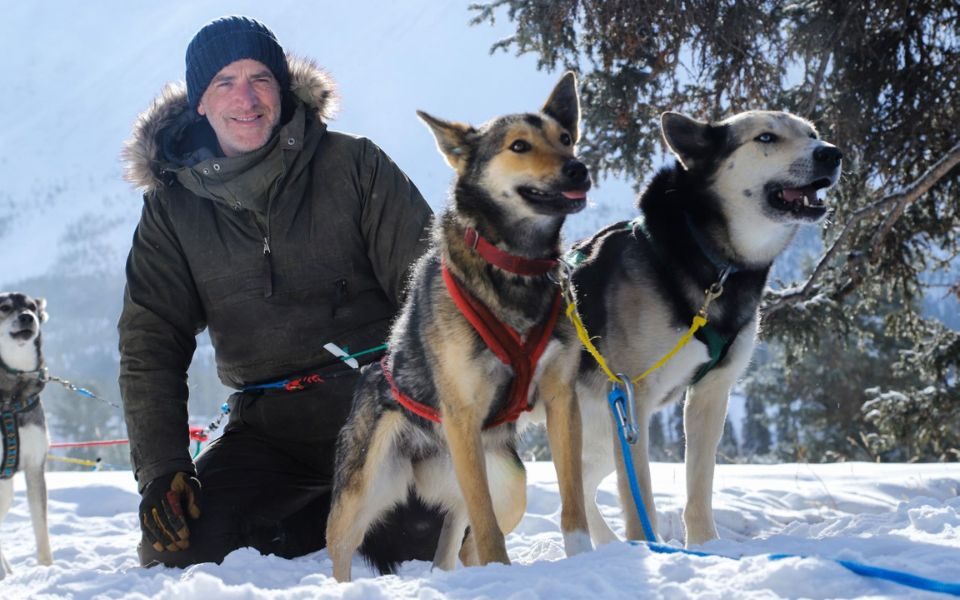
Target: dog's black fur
x=716, y=219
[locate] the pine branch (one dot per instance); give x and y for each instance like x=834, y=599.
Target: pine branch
x=896, y=203
x=825, y=57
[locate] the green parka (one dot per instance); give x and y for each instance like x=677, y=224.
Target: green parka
x=277, y=252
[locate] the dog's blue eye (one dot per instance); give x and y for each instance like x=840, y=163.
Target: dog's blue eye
x=565, y=139
x=766, y=138
x=520, y=146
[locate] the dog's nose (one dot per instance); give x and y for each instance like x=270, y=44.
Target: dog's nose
x=25, y=319
x=828, y=155
x=575, y=171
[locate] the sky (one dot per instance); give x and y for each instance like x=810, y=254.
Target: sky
x=900, y=517
x=83, y=71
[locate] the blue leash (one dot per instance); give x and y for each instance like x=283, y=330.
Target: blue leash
x=617, y=399
x=900, y=577
x=283, y=384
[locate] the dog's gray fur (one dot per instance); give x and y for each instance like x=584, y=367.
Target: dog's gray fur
x=21, y=367
x=735, y=198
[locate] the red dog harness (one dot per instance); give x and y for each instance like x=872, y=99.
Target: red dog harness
x=522, y=356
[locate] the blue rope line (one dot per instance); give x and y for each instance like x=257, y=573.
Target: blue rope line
x=282, y=383
x=614, y=397
x=273, y=385
x=900, y=577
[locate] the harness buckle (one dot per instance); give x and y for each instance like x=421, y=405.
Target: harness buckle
x=709, y=295
x=626, y=415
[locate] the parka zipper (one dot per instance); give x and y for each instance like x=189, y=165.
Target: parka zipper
x=267, y=268
x=339, y=296
x=267, y=252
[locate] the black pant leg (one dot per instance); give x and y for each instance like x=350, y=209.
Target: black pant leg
x=266, y=483
x=257, y=492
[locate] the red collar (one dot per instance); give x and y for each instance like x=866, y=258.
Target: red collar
x=522, y=356
x=517, y=265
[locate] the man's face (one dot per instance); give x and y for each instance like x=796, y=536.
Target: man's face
x=242, y=104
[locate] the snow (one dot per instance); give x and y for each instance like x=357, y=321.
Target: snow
x=904, y=517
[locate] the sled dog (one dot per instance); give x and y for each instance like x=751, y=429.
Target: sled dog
x=739, y=190
x=22, y=424
x=477, y=342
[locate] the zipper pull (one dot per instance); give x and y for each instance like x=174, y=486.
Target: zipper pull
x=339, y=295
x=267, y=269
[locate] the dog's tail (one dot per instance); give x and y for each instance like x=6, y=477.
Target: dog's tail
x=410, y=531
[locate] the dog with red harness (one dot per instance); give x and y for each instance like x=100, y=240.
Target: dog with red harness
x=478, y=343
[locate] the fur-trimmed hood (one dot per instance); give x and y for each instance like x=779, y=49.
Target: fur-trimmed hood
x=142, y=154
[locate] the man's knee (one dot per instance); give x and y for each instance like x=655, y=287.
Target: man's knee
x=195, y=554
x=213, y=536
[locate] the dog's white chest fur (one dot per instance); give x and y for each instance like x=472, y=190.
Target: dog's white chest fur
x=20, y=356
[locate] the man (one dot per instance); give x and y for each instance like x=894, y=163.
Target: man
x=278, y=236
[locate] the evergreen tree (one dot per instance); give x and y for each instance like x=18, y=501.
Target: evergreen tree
x=756, y=428
x=658, y=442
x=729, y=449
x=677, y=447
x=881, y=80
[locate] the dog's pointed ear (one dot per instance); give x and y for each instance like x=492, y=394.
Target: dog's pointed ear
x=564, y=104
x=452, y=140
x=42, y=309
x=690, y=139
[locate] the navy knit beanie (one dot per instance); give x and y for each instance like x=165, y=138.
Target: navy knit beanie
x=228, y=39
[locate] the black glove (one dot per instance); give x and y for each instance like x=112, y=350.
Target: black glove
x=162, y=510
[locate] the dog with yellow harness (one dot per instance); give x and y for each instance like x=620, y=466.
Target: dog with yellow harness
x=669, y=301
x=479, y=341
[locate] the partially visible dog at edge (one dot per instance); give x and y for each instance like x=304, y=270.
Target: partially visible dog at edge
x=719, y=217
x=22, y=424
x=438, y=414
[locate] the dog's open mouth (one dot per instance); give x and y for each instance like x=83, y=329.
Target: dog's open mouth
x=800, y=201
x=22, y=335
x=558, y=202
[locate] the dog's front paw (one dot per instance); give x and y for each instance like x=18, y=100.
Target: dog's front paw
x=576, y=542
x=701, y=535
x=699, y=524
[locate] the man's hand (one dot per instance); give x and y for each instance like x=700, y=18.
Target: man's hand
x=162, y=510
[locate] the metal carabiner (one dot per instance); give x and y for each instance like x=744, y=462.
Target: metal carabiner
x=627, y=415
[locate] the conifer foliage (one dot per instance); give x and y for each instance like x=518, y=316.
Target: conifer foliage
x=881, y=80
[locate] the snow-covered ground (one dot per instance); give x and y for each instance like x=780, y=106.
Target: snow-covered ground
x=902, y=517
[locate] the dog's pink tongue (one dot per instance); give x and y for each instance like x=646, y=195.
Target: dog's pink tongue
x=792, y=195
x=574, y=195
x=796, y=195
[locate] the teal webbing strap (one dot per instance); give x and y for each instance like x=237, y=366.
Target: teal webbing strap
x=717, y=346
